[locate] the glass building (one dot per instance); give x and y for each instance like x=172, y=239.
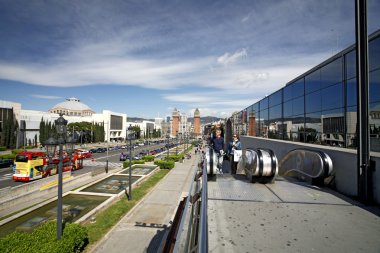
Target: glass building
x=318, y=106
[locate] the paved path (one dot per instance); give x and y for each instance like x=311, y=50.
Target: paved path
x=286, y=217
x=143, y=228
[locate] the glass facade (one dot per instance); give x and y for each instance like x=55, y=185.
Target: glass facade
x=320, y=106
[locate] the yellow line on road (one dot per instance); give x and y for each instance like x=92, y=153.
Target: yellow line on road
x=55, y=183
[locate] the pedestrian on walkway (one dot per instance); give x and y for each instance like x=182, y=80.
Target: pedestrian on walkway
x=217, y=145
x=233, y=153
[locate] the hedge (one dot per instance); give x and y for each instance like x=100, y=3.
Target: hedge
x=2, y=148
x=15, y=151
x=44, y=239
x=174, y=158
x=126, y=163
x=164, y=164
x=148, y=158
x=8, y=156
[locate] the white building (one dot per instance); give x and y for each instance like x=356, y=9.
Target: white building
x=74, y=111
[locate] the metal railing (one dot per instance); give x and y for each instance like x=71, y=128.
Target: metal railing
x=191, y=234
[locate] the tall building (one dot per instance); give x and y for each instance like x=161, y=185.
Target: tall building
x=175, y=122
x=197, y=123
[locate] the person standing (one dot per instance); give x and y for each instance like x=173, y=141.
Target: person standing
x=232, y=147
x=218, y=146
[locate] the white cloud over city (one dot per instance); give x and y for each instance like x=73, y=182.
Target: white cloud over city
x=228, y=52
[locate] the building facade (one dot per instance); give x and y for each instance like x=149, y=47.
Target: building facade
x=318, y=106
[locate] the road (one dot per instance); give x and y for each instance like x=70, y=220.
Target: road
x=98, y=162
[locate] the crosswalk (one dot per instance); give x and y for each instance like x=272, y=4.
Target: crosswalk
x=101, y=164
x=6, y=176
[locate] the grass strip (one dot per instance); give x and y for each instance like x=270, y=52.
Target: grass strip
x=110, y=216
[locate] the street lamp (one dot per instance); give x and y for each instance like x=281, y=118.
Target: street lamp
x=168, y=137
x=51, y=146
x=130, y=136
x=108, y=136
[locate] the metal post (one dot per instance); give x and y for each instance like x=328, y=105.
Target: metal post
x=130, y=169
x=107, y=148
x=59, y=201
x=364, y=173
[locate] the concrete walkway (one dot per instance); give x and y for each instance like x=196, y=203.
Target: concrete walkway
x=142, y=229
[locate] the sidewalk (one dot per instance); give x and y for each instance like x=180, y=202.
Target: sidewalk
x=143, y=228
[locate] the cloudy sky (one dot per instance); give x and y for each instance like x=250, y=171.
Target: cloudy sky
x=144, y=58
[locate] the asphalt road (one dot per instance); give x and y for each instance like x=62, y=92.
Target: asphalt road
x=113, y=157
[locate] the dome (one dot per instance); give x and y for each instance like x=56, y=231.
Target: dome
x=72, y=106
x=196, y=113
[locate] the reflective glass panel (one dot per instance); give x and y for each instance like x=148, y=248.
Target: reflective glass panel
x=287, y=93
x=332, y=97
x=313, y=81
x=298, y=88
x=374, y=54
x=275, y=98
x=331, y=73
x=313, y=102
x=288, y=109
x=374, y=126
x=351, y=125
x=313, y=128
x=351, y=92
x=351, y=64
x=275, y=112
x=298, y=106
x=333, y=128
x=374, y=86
x=263, y=103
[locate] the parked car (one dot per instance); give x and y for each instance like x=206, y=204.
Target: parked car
x=123, y=156
x=101, y=150
x=94, y=150
x=6, y=163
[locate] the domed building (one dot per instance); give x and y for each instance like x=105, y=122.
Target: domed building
x=72, y=107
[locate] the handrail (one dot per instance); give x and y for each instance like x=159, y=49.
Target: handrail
x=203, y=228
x=192, y=233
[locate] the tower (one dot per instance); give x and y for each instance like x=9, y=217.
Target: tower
x=197, y=123
x=175, y=123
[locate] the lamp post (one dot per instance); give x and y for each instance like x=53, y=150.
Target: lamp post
x=51, y=146
x=168, y=136
x=130, y=136
x=106, y=168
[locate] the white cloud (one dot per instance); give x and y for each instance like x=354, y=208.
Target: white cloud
x=45, y=96
x=228, y=58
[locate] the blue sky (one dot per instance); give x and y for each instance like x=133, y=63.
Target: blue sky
x=144, y=58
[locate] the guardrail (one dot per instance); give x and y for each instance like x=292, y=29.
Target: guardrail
x=189, y=232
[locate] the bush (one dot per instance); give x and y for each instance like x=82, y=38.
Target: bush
x=8, y=156
x=148, y=158
x=74, y=239
x=174, y=158
x=15, y=151
x=2, y=148
x=126, y=163
x=167, y=165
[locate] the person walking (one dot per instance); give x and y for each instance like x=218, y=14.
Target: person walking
x=233, y=154
x=217, y=144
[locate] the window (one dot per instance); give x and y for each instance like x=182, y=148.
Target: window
x=298, y=106
x=351, y=64
x=374, y=86
x=313, y=81
x=331, y=73
x=275, y=98
x=313, y=102
x=263, y=103
x=288, y=109
x=332, y=97
x=275, y=113
x=351, y=92
x=294, y=90
x=374, y=52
